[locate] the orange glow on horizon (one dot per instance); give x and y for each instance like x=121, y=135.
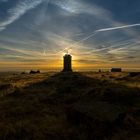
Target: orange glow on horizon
x=58, y=65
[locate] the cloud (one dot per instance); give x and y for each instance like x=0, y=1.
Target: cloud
x=80, y=6
x=20, y=9
x=78, y=25
x=103, y=18
x=2, y=28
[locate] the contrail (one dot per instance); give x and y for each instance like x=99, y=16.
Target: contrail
x=116, y=28
x=102, y=30
x=19, y=10
x=44, y=51
x=105, y=29
x=109, y=29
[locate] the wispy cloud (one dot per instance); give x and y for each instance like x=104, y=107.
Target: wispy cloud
x=2, y=28
x=20, y=9
x=81, y=6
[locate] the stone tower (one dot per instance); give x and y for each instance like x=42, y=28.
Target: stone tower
x=67, y=63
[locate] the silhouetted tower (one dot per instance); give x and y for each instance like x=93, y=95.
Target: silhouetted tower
x=67, y=62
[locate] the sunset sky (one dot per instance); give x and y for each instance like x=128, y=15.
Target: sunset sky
x=35, y=34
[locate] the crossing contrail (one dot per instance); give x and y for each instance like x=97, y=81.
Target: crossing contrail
x=102, y=30
x=105, y=29
x=109, y=29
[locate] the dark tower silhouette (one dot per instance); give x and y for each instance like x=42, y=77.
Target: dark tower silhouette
x=67, y=63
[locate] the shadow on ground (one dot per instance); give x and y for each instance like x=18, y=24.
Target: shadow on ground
x=71, y=106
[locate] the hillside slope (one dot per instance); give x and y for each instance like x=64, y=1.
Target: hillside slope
x=71, y=106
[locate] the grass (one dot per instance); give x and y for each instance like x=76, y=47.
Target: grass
x=69, y=106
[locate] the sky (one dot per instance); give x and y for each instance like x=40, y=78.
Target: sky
x=35, y=34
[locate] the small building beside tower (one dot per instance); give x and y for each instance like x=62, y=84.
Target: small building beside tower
x=67, y=63
x=116, y=70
